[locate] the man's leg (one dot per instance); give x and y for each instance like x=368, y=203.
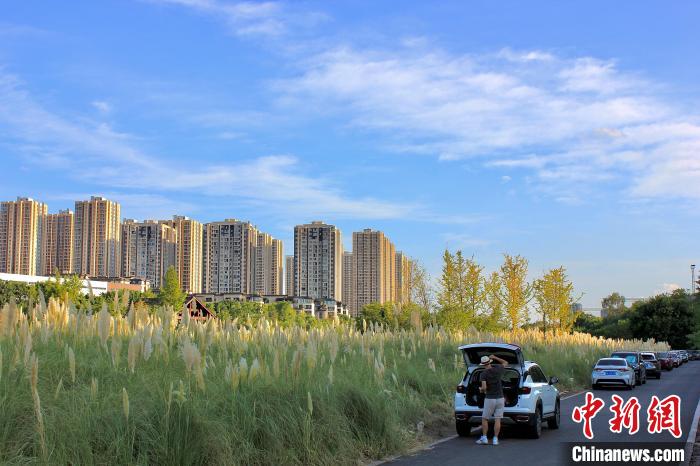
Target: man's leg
x=496, y=426
x=484, y=426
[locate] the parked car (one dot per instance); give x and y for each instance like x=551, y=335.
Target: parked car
x=613, y=371
x=653, y=366
x=694, y=355
x=665, y=360
x=635, y=360
x=530, y=398
x=677, y=361
x=684, y=355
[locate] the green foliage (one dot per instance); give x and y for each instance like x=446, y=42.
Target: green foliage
x=390, y=315
x=554, y=296
x=170, y=293
x=616, y=325
x=613, y=303
x=667, y=317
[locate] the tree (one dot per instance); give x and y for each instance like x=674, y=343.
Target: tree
x=665, y=317
x=493, y=301
x=420, y=291
x=516, y=292
x=613, y=303
x=553, y=294
x=474, y=289
x=449, y=282
x=170, y=293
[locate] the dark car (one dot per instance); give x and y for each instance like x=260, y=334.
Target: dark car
x=652, y=364
x=665, y=360
x=684, y=355
x=694, y=355
x=635, y=360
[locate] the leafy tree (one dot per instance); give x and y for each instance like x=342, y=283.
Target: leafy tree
x=420, y=290
x=449, y=282
x=665, y=317
x=474, y=290
x=170, y=293
x=493, y=300
x=516, y=292
x=613, y=303
x=553, y=294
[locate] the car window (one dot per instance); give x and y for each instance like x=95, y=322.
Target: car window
x=648, y=357
x=537, y=375
x=631, y=357
x=612, y=362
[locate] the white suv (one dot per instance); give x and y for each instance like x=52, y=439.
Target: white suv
x=530, y=398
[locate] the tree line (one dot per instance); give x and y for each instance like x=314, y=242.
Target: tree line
x=466, y=295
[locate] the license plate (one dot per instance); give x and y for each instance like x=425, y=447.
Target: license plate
x=610, y=372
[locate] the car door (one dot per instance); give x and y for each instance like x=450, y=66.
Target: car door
x=547, y=393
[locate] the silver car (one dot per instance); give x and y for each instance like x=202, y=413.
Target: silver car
x=613, y=371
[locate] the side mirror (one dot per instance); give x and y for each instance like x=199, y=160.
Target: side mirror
x=553, y=380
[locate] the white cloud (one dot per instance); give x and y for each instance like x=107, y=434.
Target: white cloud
x=102, y=106
x=96, y=153
x=578, y=119
x=251, y=18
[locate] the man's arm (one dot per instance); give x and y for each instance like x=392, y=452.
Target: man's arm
x=499, y=360
x=482, y=389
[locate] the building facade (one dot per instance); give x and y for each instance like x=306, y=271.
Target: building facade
x=148, y=250
x=374, y=271
x=97, y=238
x=318, y=261
x=189, y=263
x=348, y=280
x=229, y=257
x=404, y=272
x=289, y=275
x=269, y=272
x=57, y=243
x=21, y=228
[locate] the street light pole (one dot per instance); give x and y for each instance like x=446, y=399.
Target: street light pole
x=692, y=279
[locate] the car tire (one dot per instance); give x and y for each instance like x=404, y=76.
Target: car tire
x=595, y=386
x=535, y=430
x=463, y=428
x=555, y=421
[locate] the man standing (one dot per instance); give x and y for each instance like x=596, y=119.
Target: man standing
x=494, y=403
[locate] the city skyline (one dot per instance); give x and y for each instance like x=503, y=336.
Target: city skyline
x=442, y=125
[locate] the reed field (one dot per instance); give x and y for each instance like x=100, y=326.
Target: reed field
x=78, y=388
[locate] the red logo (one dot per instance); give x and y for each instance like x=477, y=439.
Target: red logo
x=665, y=415
x=587, y=412
x=625, y=415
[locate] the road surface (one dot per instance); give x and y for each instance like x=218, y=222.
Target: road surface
x=548, y=450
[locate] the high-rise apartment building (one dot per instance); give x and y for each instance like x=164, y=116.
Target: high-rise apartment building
x=318, y=261
x=21, y=225
x=148, y=250
x=289, y=275
x=57, y=243
x=229, y=257
x=374, y=259
x=404, y=271
x=97, y=238
x=190, y=235
x=269, y=273
x=348, y=280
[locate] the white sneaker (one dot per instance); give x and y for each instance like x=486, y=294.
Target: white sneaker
x=483, y=440
x=495, y=440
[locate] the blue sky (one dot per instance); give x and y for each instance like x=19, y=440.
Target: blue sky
x=567, y=133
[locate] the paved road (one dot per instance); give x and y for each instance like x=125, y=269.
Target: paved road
x=547, y=450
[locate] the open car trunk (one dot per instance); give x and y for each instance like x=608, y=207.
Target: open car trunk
x=510, y=381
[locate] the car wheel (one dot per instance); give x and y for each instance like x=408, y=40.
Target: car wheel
x=535, y=430
x=595, y=386
x=463, y=429
x=553, y=422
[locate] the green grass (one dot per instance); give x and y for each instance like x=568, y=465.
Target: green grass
x=382, y=387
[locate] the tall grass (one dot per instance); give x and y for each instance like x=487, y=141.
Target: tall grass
x=143, y=389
